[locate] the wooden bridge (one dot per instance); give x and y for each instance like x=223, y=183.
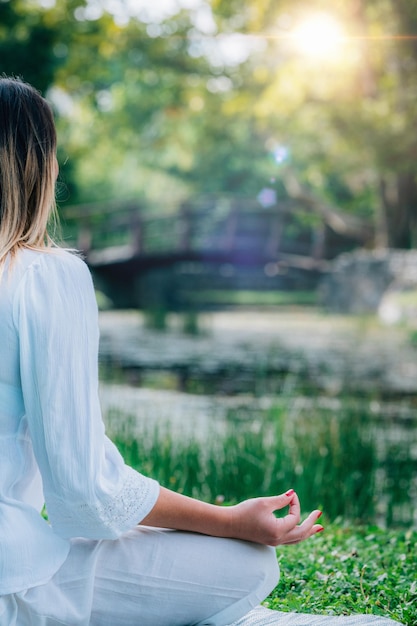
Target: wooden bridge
x=213, y=243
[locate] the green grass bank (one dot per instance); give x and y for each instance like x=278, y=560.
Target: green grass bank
x=347, y=570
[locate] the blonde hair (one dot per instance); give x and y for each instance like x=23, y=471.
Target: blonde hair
x=27, y=168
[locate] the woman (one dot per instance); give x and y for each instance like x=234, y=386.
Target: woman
x=105, y=558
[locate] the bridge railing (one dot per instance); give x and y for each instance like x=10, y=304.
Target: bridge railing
x=213, y=224
x=220, y=226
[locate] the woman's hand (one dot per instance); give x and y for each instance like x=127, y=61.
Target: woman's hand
x=254, y=520
x=251, y=520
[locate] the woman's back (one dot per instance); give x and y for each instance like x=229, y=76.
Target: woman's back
x=29, y=551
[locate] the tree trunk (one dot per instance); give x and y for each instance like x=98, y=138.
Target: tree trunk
x=397, y=222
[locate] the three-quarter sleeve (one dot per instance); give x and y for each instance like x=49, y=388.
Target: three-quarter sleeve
x=89, y=491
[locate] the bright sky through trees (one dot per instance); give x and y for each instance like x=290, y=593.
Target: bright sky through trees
x=146, y=10
x=318, y=36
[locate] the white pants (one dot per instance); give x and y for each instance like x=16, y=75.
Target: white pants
x=149, y=577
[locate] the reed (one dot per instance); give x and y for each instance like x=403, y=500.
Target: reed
x=331, y=458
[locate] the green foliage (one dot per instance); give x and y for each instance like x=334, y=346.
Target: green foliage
x=347, y=568
x=27, y=41
x=350, y=570
x=256, y=298
x=156, y=318
x=413, y=338
x=330, y=459
x=161, y=111
x=346, y=117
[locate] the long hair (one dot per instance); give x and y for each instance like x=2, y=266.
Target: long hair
x=27, y=168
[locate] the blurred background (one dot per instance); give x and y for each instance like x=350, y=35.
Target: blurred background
x=241, y=178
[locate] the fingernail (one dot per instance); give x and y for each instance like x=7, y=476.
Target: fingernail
x=289, y=492
x=319, y=530
x=320, y=513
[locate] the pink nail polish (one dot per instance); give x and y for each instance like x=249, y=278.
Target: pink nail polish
x=289, y=492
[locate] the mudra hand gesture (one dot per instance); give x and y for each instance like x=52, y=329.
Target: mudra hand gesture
x=251, y=520
x=254, y=520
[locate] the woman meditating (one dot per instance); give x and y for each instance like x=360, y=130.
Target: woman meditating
x=118, y=549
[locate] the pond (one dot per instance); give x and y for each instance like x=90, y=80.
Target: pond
x=334, y=398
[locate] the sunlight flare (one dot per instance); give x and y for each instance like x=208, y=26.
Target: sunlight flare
x=319, y=36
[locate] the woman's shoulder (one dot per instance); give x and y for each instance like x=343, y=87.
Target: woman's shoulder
x=54, y=278
x=53, y=260
x=54, y=268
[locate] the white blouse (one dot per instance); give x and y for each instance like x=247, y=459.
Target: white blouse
x=53, y=447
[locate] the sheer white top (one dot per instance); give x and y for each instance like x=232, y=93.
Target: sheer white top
x=53, y=447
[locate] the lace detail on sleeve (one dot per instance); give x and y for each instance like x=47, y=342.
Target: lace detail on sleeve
x=108, y=517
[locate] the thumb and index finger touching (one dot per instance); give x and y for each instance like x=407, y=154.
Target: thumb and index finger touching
x=290, y=499
x=293, y=517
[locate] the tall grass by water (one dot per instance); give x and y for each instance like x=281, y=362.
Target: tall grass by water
x=333, y=456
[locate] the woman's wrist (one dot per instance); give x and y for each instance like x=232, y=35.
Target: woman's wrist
x=173, y=510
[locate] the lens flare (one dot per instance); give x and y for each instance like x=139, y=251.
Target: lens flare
x=319, y=36
x=280, y=154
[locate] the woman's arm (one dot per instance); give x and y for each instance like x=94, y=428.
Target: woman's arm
x=251, y=520
x=89, y=491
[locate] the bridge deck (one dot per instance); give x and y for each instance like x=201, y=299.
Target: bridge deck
x=222, y=238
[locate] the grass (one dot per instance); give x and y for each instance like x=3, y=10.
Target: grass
x=333, y=459
x=332, y=462
x=350, y=570
x=330, y=459
x=255, y=298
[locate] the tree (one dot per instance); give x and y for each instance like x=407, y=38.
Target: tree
x=27, y=43
x=155, y=116
x=347, y=118
x=162, y=109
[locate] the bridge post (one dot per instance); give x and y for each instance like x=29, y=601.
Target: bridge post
x=136, y=229
x=186, y=224
x=84, y=238
x=229, y=236
x=275, y=233
x=318, y=243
